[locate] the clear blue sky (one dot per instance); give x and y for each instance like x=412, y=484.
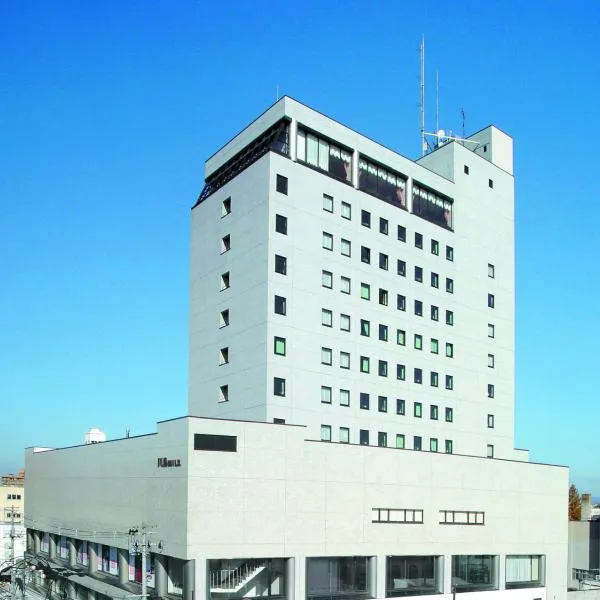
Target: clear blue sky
x=109, y=109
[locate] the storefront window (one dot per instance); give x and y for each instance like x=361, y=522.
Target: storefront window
x=238, y=578
x=524, y=571
x=412, y=575
x=337, y=577
x=474, y=573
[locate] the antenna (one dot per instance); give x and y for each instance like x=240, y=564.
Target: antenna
x=423, y=141
x=437, y=101
x=462, y=114
x=277, y=92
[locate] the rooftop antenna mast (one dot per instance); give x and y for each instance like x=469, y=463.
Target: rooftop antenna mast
x=423, y=140
x=437, y=102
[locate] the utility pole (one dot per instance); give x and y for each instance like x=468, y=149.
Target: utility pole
x=143, y=548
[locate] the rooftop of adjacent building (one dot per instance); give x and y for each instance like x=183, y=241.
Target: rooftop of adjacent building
x=14, y=479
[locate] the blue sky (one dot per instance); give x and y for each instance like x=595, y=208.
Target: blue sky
x=109, y=109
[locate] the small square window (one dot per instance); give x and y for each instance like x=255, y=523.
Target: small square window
x=365, y=364
x=400, y=302
x=278, y=386
x=435, y=247
x=449, y=317
x=491, y=361
x=225, y=281
x=490, y=421
x=449, y=382
x=491, y=271
x=383, y=332
x=326, y=356
x=435, y=313
x=382, y=368
x=346, y=247
x=365, y=218
x=280, y=305
x=434, y=346
x=400, y=372
x=490, y=451
x=325, y=394
x=417, y=442
x=382, y=439
x=344, y=360
x=419, y=274
x=449, y=350
x=364, y=437
x=433, y=412
x=418, y=375
x=223, y=356
x=400, y=406
x=490, y=389
x=346, y=211
x=433, y=445
x=344, y=435
x=400, y=441
x=365, y=254
x=418, y=308
x=226, y=207
x=345, y=322
x=344, y=397
x=418, y=410
x=365, y=291
x=384, y=226
x=382, y=403
x=418, y=240
x=224, y=318
x=345, y=285
x=223, y=393
x=491, y=183
x=449, y=253
x=327, y=279
x=435, y=280
x=326, y=317
x=383, y=261
x=491, y=300
x=401, y=268
x=364, y=401
x=491, y=331
x=327, y=241
x=281, y=224
x=282, y=184
x=433, y=379
x=449, y=446
x=401, y=233
x=401, y=337
x=327, y=203
x=325, y=433
x=225, y=243
x=466, y=169
x=449, y=285
x=280, y=264
x=418, y=342
x=365, y=327
x=279, y=346
x=449, y=415
x=383, y=297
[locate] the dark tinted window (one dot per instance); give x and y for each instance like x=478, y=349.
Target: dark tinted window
x=215, y=443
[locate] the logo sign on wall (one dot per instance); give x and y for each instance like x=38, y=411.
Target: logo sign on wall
x=165, y=463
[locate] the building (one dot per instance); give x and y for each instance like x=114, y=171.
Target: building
x=12, y=497
x=351, y=392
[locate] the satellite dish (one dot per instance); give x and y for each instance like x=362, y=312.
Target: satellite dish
x=441, y=134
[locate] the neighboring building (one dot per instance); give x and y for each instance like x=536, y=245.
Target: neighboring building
x=12, y=497
x=584, y=549
x=339, y=293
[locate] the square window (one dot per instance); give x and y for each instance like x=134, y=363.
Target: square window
x=346, y=211
x=344, y=360
x=418, y=375
x=278, y=386
x=365, y=218
x=280, y=305
x=491, y=271
x=435, y=247
x=435, y=280
x=400, y=406
x=419, y=274
x=434, y=346
x=384, y=226
x=490, y=421
x=490, y=300
x=344, y=435
x=223, y=393
x=224, y=318
x=325, y=394
x=346, y=247
x=382, y=368
x=364, y=401
x=345, y=285
x=365, y=364
x=418, y=342
x=226, y=207
x=223, y=356
x=418, y=240
x=325, y=433
x=449, y=350
x=401, y=337
x=327, y=241
x=490, y=389
x=466, y=169
x=383, y=297
x=491, y=330
x=418, y=410
x=382, y=403
x=449, y=317
x=491, y=361
x=435, y=313
x=326, y=356
x=401, y=268
x=491, y=183
x=433, y=412
x=282, y=184
x=365, y=327
x=400, y=302
x=383, y=332
x=448, y=446
x=327, y=279
x=450, y=253
x=326, y=317
x=449, y=415
x=279, y=346
x=365, y=254
x=225, y=281
x=382, y=439
x=433, y=379
x=281, y=224
x=364, y=437
x=418, y=308
x=490, y=451
x=383, y=261
x=365, y=291
x=345, y=322
x=280, y=264
x=417, y=442
x=225, y=243
x=449, y=285
x=449, y=382
x=327, y=203
x=344, y=397
x=433, y=445
x=401, y=233
x=400, y=372
x=400, y=441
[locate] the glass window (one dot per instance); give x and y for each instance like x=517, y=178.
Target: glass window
x=345, y=285
x=365, y=328
x=345, y=322
x=418, y=375
x=449, y=415
x=365, y=254
x=435, y=280
x=434, y=346
x=225, y=281
x=280, y=264
x=344, y=360
x=433, y=445
x=401, y=233
x=327, y=203
x=344, y=435
x=365, y=365
x=474, y=573
x=433, y=412
x=449, y=350
x=282, y=184
x=401, y=337
x=226, y=207
x=346, y=210
x=281, y=224
x=278, y=386
x=346, y=247
x=382, y=403
x=327, y=241
x=400, y=440
x=382, y=439
x=449, y=285
x=326, y=356
x=382, y=368
x=365, y=218
x=491, y=271
x=383, y=332
x=417, y=442
x=401, y=268
x=324, y=155
x=400, y=406
x=365, y=291
x=524, y=571
x=491, y=361
x=364, y=401
x=400, y=302
x=449, y=253
x=419, y=274
x=449, y=382
x=325, y=433
x=327, y=279
x=383, y=297
x=490, y=451
x=491, y=300
x=490, y=389
x=418, y=308
x=400, y=372
x=418, y=240
x=490, y=421
x=325, y=394
x=383, y=261
x=326, y=317
x=418, y=342
x=344, y=397
x=224, y=318
x=433, y=379
x=384, y=226
x=279, y=346
x=418, y=410
x=491, y=330
x=449, y=317
x=435, y=247
x=280, y=305
x=435, y=313
x=381, y=182
x=364, y=437
x=432, y=206
x=448, y=446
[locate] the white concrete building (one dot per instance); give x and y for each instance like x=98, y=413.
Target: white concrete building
x=351, y=386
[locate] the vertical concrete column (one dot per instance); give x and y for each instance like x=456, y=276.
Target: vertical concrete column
x=37, y=541
x=408, y=191
x=372, y=576
x=355, y=168
x=189, y=580
x=380, y=575
x=160, y=575
x=501, y=571
x=71, y=593
x=91, y=595
x=123, y=562
x=447, y=574
x=200, y=569
x=293, y=130
x=52, y=546
x=72, y=552
x=300, y=584
x=92, y=558
x=290, y=584
x=30, y=540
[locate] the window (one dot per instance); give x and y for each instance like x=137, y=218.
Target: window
x=327, y=241
x=435, y=280
x=419, y=274
x=491, y=361
x=418, y=308
x=490, y=421
x=417, y=442
x=490, y=451
x=346, y=247
x=279, y=345
x=491, y=331
x=364, y=401
x=344, y=435
x=449, y=285
x=344, y=360
x=466, y=169
x=400, y=441
x=365, y=254
x=433, y=445
x=449, y=317
x=523, y=571
x=383, y=261
x=491, y=271
x=382, y=368
x=365, y=327
x=449, y=415
x=401, y=267
x=345, y=322
x=433, y=379
x=223, y=356
x=325, y=394
x=280, y=305
x=449, y=382
x=327, y=279
x=400, y=406
x=225, y=281
x=383, y=332
x=435, y=247
x=400, y=302
x=324, y=155
x=224, y=318
x=435, y=313
x=491, y=183
x=450, y=253
x=418, y=341
x=278, y=386
x=448, y=446
x=381, y=182
x=490, y=300
x=434, y=346
x=225, y=243
x=365, y=364
x=325, y=433
x=490, y=390
x=401, y=337
x=226, y=207
x=384, y=226
x=223, y=393
x=433, y=412
x=418, y=240
x=382, y=403
x=364, y=437
x=432, y=206
x=365, y=291
x=382, y=439
x=449, y=350
x=346, y=211
x=326, y=317
x=327, y=203
x=326, y=356
x=401, y=233
x=281, y=224
x=418, y=410
x=345, y=285
x=365, y=218
x=400, y=372
x=383, y=297
x=280, y=264
x=344, y=397
x=282, y=184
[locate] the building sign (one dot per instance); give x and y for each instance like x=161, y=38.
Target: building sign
x=168, y=462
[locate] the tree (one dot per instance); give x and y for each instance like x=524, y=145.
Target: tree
x=574, y=504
